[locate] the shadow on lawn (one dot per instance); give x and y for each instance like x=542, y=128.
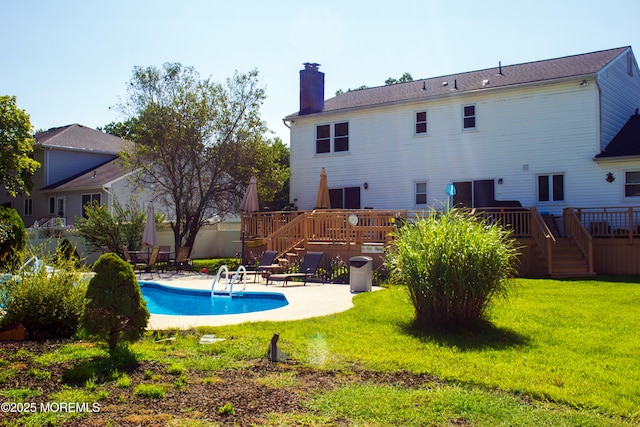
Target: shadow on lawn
x=486, y=335
x=100, y=369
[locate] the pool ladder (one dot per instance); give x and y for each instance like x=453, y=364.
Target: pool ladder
x=241, y=271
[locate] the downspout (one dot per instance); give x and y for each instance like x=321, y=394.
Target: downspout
x=285, y=123
x=110, y=199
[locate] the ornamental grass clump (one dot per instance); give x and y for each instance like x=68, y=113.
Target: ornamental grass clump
x=453, y=264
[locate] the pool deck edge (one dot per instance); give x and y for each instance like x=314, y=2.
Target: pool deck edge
x=312, y=300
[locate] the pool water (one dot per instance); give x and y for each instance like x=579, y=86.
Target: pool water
x=190, y=302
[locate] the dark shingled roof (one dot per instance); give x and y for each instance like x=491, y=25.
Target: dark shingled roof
x=79, y=137
x=626, y=143
x=531, y=72
x=93, y=178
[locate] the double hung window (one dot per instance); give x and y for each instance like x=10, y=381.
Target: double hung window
x=421, y=123
x=338, y=132
x=469, y=117
x=632, y=184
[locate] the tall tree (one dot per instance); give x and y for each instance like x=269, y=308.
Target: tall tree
x=16, y=148
x=406, y=77
x=196, y=142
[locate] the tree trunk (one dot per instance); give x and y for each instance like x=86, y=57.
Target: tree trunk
x=113, y=341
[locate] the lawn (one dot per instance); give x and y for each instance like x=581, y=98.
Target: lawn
x=556, y=353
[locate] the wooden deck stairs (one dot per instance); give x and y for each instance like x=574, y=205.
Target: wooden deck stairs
x=568, y=261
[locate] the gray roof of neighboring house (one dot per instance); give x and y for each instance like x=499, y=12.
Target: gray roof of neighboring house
x=507, y=75
x=78, y=137
x=94, y=178
x=626, y=143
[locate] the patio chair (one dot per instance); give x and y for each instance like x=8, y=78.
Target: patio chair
x=164, y=257
x=126, y=255
x=266, y=264
x=182, y=260
x=150, y=265
x=308, y=269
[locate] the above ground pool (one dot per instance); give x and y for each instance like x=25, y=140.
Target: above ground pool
x=191, y=302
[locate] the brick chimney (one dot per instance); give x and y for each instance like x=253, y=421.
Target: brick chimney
x=311, y=89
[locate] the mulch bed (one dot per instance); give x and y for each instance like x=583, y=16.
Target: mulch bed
x=200, y=398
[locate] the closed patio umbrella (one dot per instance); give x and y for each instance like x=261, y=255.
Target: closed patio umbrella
x=249, y=205
x=149, y=237
x=322, y=200
x=250, y=200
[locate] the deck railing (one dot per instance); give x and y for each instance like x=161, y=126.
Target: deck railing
x=610, y=221
x=262, y=224
x=518, y=220
x=284, y=230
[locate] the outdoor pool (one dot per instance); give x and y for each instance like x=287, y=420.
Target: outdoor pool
x=191, y=302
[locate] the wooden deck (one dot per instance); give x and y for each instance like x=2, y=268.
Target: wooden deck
x=581, y=243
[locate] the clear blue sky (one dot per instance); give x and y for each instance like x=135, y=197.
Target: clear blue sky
x=68, y=61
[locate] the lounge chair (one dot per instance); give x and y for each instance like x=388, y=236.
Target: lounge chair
x=266, y=264
x=308, y=269
x=182, y=260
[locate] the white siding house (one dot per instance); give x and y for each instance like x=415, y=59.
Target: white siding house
x=525, y=134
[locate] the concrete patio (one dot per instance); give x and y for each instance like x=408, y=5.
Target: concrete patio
x=312, y=300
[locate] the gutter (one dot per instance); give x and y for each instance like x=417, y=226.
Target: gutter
x=475, y=91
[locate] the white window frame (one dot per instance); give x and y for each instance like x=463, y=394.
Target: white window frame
x=333, y=130
x=61, y=207
x=550, y=177
x=52, y=205
x=626, y=184
x=315, y=138
x=416, y=193
x=465, y=117
x=332, y=138
x=416, y=123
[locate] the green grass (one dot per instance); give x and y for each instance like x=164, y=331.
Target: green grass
x=568, y=342
x=151, y=390
x=556, y=353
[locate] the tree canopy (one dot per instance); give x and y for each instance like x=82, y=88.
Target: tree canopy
x=197, y=143
x=16, y=148
x=406, y=77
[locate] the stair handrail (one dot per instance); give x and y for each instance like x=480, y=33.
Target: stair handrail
x=543, y=237
x=574, y=230
x=289, y=228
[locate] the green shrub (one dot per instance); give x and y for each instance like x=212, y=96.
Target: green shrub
x=46, y=304
x=453, y=265
x=66, y=252
x=122, y=227
x=212, y=265
x=12, y=238
x=114, y=309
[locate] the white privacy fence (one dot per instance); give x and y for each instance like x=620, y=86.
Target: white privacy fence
x=221, y=240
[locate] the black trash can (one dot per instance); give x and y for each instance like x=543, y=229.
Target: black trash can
x=361, y=273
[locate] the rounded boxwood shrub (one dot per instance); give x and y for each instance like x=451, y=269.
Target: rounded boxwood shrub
x=453, y=264
x=12, y=238
x=115, y=310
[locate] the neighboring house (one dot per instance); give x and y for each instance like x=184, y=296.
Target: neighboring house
x=549, y=134
x=78, y=165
